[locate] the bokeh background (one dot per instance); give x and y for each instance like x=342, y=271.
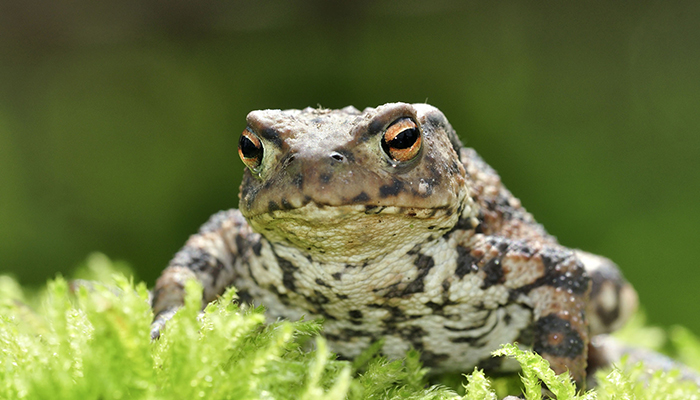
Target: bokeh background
x=119, y=120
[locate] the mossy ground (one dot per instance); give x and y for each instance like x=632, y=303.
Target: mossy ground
x=94, y=343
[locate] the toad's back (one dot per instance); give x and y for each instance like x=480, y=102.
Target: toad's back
x=380, y=222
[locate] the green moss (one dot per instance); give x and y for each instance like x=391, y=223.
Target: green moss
x=93, y=342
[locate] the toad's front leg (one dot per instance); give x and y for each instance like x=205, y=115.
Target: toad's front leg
x=212, y=257
x=552, y=282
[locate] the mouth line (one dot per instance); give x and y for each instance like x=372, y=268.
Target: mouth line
x=307, y=211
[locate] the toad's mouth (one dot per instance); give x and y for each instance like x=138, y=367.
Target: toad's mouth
x=316, y=211
x=353, y=230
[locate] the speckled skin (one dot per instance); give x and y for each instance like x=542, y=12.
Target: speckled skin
x=432, y=253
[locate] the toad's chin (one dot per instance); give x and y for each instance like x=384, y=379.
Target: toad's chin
x=354, y=233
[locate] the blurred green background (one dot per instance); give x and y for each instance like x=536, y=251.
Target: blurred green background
x=119, y=120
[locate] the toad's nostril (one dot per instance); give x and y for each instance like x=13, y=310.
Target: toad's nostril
x=337, y=156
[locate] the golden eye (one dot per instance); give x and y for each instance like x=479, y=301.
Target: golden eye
x=250, y=149
x=402, y=140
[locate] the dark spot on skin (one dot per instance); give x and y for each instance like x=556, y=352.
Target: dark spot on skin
x=414, y=250
x=331, y=337
x=526, y=336
x=198, y=260
x=288, y=282
x=454, y=168
x=216, y=270
x=555, y=336
x=477, y=341
x=490, y=364
x=337, y=275
x=396, y=316
x=522, y=248
x=445, y=285
x=320, y=282
x=272, y=136
x=437, y=308
x=490, y=204
x=472, y=341
x=341, y=296
x=474, y=326
x=424, y=263
x=244, y=297
x=287, y=273
x=324, y=178
x=466, y=264
x=351, y=333
x=494, y=273
x=318, y=298
x=454, y=329
x=257, y=247
x=285, y=204
x=355, y=314
x=360, y=198
x=412, y=333
x=575, y=280
x=432, y=359
x=240, y=244
x=500, y=243
x=272, y=206
x=463, y=224
x=391, y=190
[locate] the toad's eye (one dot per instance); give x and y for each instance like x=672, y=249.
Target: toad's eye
x=250, y=150
x=402, y=140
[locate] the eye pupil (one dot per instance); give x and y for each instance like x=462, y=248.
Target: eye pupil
x=405, y=139
x=249, y=149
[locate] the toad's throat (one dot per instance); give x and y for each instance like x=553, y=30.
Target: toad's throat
x=350, y=232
